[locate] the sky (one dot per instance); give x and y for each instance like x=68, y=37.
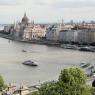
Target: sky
x=45, y=11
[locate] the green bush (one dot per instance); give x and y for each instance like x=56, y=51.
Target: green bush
x=2, y=84
x=71, y=82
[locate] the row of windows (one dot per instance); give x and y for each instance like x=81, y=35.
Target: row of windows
x=34, y=36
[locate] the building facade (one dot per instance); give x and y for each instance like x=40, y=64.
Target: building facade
x=28, y=31
x=86, y=36
x=52, y=33
x=69, y=35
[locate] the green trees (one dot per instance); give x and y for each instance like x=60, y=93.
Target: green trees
x=71, y=82
x=2, y=85
x=49, y=88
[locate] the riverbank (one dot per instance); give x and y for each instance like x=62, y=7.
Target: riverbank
x=39, y=41
x=22, y=90
x=50, y=43
x=6, y=36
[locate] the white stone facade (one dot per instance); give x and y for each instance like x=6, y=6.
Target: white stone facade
x=40, y=31
x=69, y=35
x=68, y=27
x=53, y=33
x=29, y=31
x=86, y=36
x=34, y=32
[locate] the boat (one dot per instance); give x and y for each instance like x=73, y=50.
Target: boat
x=69, y=46
x=91, y=68
x=84, y=65
x=92, y=49
x=24, y=50
x=84, y=49
x=30, y=63
x=81, y=64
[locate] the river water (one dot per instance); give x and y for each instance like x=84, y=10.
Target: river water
x=50, y=60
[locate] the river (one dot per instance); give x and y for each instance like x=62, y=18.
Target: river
x=50, y=60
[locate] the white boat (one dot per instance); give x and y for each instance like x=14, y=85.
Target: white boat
x=69, y=46
x=30, y=63
x=84, y=65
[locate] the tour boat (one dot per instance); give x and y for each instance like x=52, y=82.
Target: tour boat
x=30, y=63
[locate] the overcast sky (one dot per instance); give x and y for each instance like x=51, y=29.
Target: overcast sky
x=47, y=10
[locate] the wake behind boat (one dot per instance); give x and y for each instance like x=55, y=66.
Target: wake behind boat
x=29, y=63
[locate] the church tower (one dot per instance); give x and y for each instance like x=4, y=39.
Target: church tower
x=62, y=25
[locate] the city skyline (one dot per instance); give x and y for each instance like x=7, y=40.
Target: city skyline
x=45, y=11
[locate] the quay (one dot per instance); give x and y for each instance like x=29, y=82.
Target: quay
x=41, y=41
x=51, y=43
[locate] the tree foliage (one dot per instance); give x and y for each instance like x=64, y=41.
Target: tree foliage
x=2, y=85
x=71, y=82
x=72, y=75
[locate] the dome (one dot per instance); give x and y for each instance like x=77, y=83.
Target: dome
x=25, y=19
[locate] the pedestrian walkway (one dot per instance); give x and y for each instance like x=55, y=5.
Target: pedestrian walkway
x=22, y=90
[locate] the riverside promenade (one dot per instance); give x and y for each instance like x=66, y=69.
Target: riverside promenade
x=22, y=90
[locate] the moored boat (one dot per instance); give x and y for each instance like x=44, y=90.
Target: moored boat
x=92, y=49
x=84, y=65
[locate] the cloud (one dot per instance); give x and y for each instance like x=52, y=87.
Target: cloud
x=46, y=10
x=51, y=3
x=74, y=4
x=66, y=3
x=8, y=2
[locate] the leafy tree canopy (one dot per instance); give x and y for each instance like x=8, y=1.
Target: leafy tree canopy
x=71, y=82
x=2, y=85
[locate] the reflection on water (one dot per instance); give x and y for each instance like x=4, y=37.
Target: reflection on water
x=51, y=61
